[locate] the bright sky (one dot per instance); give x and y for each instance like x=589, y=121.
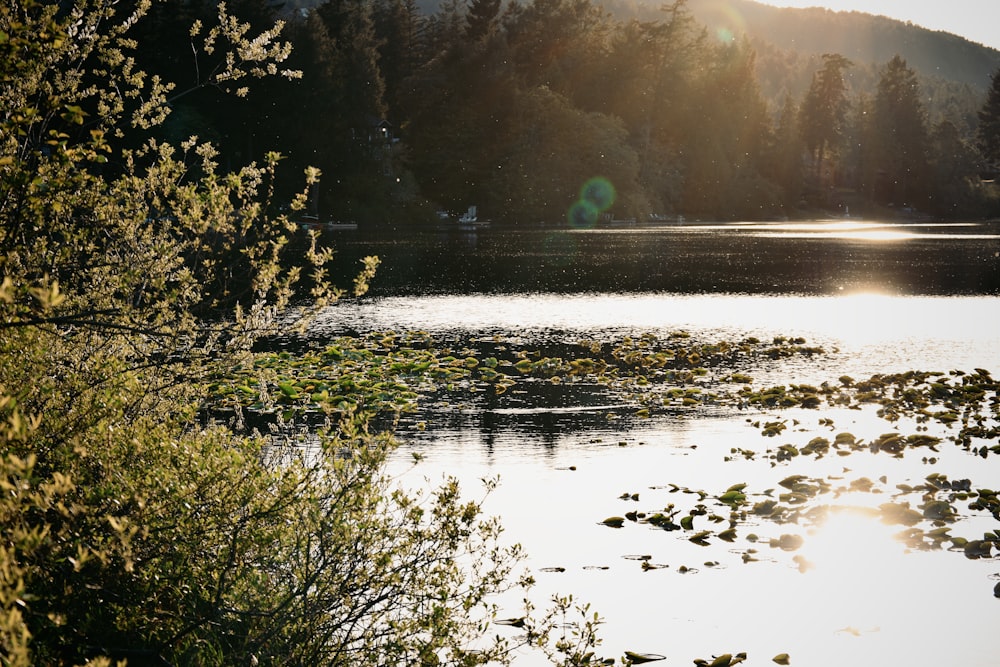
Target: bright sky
x=977, y=20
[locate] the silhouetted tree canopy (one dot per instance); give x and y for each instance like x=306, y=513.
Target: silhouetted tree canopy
x=988, y=133
x=495, y=105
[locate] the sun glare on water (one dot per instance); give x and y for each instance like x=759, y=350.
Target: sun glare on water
x=852, y=548
x=844, y=230
x=857, y=573
x=861, y=230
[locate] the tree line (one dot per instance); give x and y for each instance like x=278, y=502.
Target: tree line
x=514, y=107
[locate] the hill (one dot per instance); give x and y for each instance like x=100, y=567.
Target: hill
x=954, y=73
x=804, y=34
x=864, y=38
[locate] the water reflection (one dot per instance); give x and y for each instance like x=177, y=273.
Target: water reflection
x=852, y=549
x=805, y=258
x=863, y=332
x=852, y=230
x=852, y=594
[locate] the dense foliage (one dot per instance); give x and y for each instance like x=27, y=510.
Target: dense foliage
x=144, y=251
x=514, y=107
x=134, y=274
x=989, y=127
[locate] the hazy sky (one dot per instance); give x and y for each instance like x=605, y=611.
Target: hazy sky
x=978, y=20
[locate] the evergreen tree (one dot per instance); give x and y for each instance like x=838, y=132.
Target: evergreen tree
x=824, y=111
x=458, y=113
x=861, y=156
x=341, y=103
x=648, y=80
x=988, y=132
x=901, y=150
x=785, y=165
x=481, y=18
x=400, y=32
x=727, y=135
x=954, y=167
x=552, y=42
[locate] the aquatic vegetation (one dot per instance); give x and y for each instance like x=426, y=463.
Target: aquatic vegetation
x=723, y=660
x=413, y=380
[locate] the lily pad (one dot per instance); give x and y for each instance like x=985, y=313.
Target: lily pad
x=639, y=658
x=701, y=537
x=790, y=542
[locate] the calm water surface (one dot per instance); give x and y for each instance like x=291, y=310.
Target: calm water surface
x=877, y=298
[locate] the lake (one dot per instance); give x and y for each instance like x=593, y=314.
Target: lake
x=836, y=586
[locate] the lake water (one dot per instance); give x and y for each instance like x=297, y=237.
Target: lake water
x=878, y=298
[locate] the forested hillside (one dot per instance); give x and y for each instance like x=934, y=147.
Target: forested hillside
x=514, y=106
x=864, y=38
x=954, y=73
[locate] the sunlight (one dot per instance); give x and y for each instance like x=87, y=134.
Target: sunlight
x=855, y=564
x=860, y=230
x=853, y=543
x=725, y=21
x=849, y=235
x=837, y=229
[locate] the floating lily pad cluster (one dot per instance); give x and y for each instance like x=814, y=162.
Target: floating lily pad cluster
x=391, y=373
x=388, y=372
x=723, y=660
x=929, y=512
x=968, y=402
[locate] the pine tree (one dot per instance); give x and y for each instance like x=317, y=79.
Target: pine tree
x=481, y=18
x=901, y=148
x=786, y=153
x=988, y=133
x=824, y=109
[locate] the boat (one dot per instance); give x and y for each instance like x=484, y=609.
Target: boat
x=470, y=220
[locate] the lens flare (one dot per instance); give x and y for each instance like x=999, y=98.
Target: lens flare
x=596, y=196
x=725, y=20
x=599, y=192
x=582, y=215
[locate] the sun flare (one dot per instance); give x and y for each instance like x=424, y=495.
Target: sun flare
x=852, y=543
x=854, y=566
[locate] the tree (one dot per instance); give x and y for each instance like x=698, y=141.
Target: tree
x=786, y=152
x=863, y=147
x=728, y=134
x=399, y=28
x=901, y=149
x=135, y=528
x=558, y=150
x=482, y=18
x=988, y=132
x=553, y=42
x=342, y=103
x=954, y=170
x=824, y=110
x=648, y=80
